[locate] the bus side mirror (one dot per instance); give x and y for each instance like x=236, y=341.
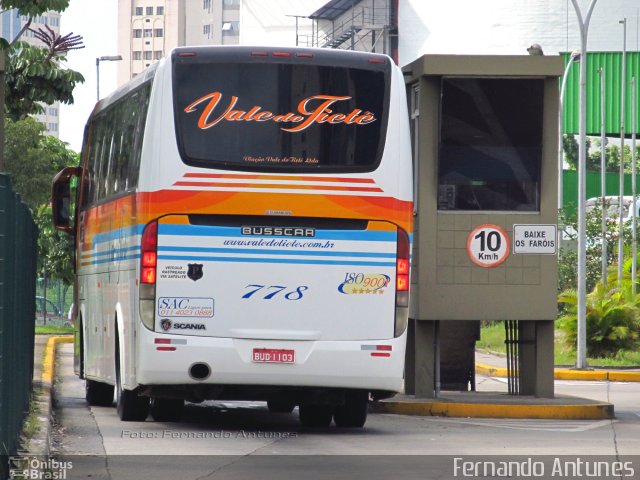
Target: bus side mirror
x=61, y=199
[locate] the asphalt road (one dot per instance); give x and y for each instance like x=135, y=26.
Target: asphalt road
x=241, y=440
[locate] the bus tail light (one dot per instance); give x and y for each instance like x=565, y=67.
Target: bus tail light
x=148, y=265
x=402, y=282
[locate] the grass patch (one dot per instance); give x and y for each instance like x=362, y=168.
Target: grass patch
x=53, y=330
x=492, y=337
x=31, y=424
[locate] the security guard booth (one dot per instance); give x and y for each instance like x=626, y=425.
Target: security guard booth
x=485, y=133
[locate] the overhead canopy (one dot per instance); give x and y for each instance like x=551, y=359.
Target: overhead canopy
x=333, y=9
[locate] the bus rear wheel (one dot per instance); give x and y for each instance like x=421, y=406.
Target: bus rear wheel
x=166, y=409
x=353, y=414
x=98, y=393
x=130, y=406
x=315, y=416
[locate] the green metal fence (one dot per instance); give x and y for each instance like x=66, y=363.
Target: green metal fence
x=18, y=255
x=592, y=187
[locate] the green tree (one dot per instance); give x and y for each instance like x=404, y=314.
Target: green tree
x=33, y=159
x=612, y=154
x=35, y=76
x=55, y=249
x=570, y=148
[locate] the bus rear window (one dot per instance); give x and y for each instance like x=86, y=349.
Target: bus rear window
x=280, y=116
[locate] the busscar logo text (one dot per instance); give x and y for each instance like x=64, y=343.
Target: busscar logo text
x=279, y=231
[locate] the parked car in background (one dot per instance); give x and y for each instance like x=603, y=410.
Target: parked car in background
x=612, y=203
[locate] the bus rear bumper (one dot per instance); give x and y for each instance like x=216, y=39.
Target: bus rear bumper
x=361, y=364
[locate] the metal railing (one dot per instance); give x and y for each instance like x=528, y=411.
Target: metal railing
x=18, y=255
x=361, y=22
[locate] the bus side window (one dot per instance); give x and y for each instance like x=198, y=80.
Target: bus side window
x=115, y=145
x=142, y=103
x=93, y=163
x=118, y=149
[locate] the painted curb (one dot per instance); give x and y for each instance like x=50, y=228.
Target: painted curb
x=568, y=374
x=591, y=411
x=49, y=363
x=40, y=445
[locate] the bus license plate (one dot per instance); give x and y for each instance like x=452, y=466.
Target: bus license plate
x=272, y=355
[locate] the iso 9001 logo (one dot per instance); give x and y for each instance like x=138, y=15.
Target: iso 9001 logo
x=38, y=468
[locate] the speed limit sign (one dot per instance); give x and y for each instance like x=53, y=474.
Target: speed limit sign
x=488, y=245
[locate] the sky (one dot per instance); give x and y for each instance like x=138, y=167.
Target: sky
x=96, y=21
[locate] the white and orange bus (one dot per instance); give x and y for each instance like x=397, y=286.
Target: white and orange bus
x=243, y=225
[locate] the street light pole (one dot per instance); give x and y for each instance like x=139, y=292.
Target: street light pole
x=574, y=57
x=106, y=58
x=603, y=183
x=581, y=347
x=623, y=85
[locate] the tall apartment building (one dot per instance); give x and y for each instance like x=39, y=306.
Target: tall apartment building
x=149, y=29
x=10, y=25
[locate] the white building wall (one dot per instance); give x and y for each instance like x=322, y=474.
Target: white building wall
x=145, y=36
x=213, y=22
x=271, y=22
x=503, y=27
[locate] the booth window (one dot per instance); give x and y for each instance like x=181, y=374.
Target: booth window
x=490, y=144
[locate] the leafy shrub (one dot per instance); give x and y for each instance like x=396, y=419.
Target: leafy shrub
x=612, y=315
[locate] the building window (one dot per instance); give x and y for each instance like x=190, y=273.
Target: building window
x=206, y=5
x=137, y=33
x=148, y=55
x=137, y=55
x=490, y=149
x=231, y=3
x=206, y=29
x=157, y=55
x=149, y=10
x=52, y=112
x=148, y=33
x=138, y=11
x=158, y=32
x=159, y=10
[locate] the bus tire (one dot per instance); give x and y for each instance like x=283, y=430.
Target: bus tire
x=353, y=414
x=130, y=406
x=315, y=416
x=167, y=409
x=280, y=406
x=98, y=393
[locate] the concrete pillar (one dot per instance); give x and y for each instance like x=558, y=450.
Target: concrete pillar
x=410, y=359
x=536, y=358
x=425, y=368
